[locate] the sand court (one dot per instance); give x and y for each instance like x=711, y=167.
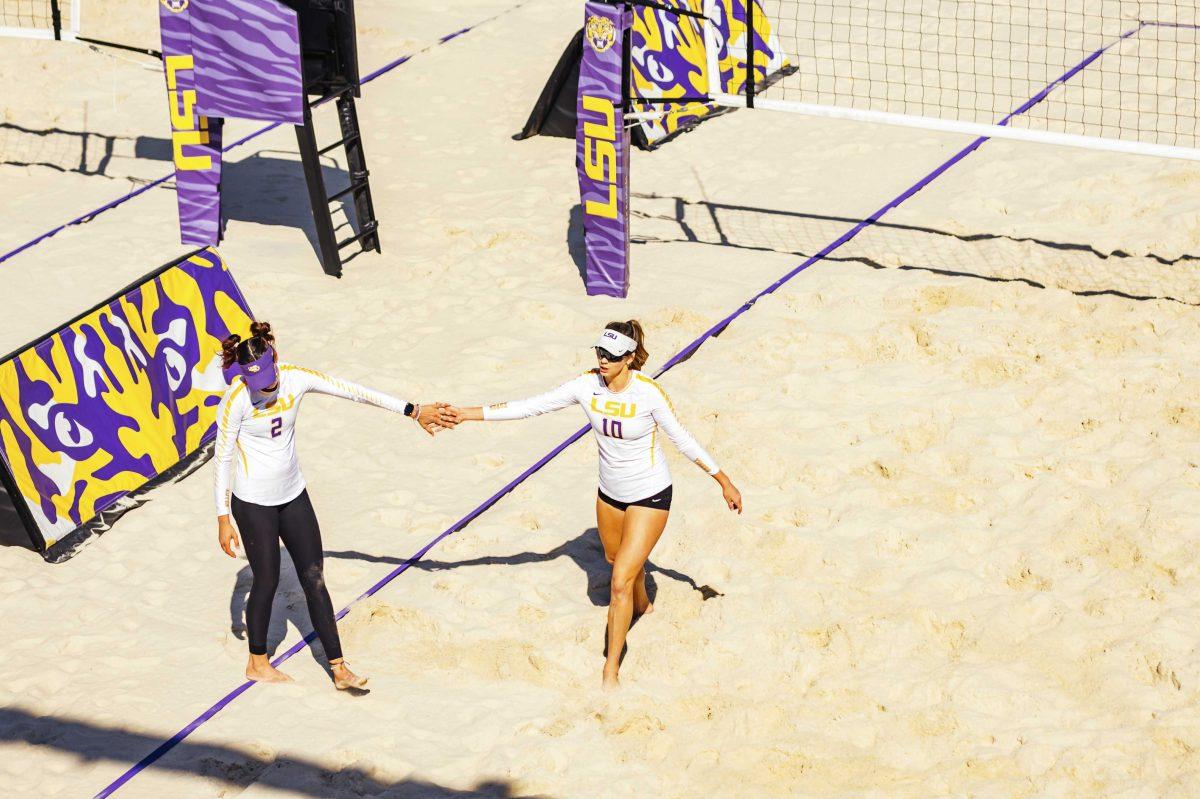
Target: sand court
x=967, y=565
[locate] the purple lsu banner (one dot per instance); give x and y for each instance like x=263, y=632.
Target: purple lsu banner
x=602, y=149
x=248, y=57
x=195, y=139
x=117, y=397
x=223, y=58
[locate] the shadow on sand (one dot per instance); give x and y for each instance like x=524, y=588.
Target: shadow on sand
x=802, y=234
x=232, y=768
x=584, y=551
x=289, y=608
x=268, y=188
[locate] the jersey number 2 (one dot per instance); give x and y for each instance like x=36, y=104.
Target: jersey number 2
x=612, y=428
x=276, y=426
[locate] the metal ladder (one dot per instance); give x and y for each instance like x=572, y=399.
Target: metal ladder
x=363, y=221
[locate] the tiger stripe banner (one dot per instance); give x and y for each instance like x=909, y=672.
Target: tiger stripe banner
x=223, y=58
x=116, y=398
x=195, y=139
x=602, y=149
x=248, y=60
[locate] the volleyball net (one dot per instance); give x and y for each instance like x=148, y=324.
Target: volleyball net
x=39, y=19
x=1119, y=75
x=1108, y=75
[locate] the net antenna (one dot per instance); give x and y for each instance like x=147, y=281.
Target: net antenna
x=40, y=19
x=1109, y=75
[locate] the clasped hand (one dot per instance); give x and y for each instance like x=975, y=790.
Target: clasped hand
x=437, y=416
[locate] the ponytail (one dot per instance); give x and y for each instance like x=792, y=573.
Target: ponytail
x=262, y=331
x=229, y=350
x=236, y=350
x=633, y=329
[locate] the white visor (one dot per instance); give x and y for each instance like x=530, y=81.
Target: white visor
x=617, y=343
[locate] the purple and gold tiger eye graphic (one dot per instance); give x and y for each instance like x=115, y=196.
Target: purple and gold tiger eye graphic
x=102, y=406
x=668, y=59
x=602, y=149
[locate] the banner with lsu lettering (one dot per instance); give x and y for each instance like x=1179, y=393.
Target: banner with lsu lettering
x=223, y=58
x=602, y=149
x=116, y=398
x=668, y=59
x=195, y=139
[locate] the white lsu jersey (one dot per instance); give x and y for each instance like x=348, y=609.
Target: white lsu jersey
x=260, y=443
x=626, y=424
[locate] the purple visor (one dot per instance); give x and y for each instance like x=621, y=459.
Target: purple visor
x=261, y=373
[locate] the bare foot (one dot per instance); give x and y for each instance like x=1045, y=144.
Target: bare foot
x=259, y=672
x=343, y=678
x=611, y=683
x=642, y=612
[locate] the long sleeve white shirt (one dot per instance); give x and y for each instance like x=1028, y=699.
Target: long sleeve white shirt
x=626, y=424
x=258, y=445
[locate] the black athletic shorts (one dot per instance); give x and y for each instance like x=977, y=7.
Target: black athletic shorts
x=660, y=501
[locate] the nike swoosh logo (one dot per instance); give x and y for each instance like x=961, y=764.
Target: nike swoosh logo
x=597, y=393
x=656, y=500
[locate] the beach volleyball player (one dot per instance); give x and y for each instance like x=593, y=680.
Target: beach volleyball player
x=255, y=440
x=628, y=412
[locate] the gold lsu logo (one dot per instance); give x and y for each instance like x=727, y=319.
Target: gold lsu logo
x=281, y=405
x=184, y=127
x=615, y=408
x=600, y=155
x=600, y=33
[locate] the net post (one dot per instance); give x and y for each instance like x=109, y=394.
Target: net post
x=626, y=60
x=56, y=19
x=712, y=69
x=750, y=53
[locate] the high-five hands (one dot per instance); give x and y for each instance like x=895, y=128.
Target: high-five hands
x=432, y=417
x=437, y=416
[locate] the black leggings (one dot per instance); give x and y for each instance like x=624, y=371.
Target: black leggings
x=261, y=528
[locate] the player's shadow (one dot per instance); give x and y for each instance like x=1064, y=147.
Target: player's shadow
x=288, y=610
x=584, y=551
x=234, y=768
x=269, y=188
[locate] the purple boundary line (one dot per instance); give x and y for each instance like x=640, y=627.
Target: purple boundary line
x=90, y=215
x=675, y=360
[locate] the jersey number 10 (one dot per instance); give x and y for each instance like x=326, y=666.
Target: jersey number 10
x=611, y=428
